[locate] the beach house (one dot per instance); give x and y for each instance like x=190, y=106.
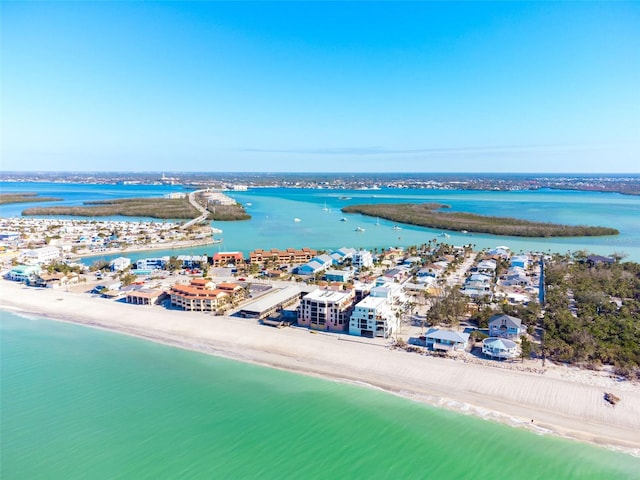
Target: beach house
x=446, y=340
x=23, y=273
x=505, y=326
x=500, y=348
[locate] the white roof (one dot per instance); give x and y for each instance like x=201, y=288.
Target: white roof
x=372, y=302
x=330, y=296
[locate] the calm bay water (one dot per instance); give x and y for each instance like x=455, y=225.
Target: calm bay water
x=273, y=211
x=79, y=403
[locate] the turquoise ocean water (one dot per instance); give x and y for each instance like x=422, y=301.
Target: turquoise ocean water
x=273, y=211
x=79, y=403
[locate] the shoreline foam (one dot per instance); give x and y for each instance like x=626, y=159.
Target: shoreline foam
x=567, y=404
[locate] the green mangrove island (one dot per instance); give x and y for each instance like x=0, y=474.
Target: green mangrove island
x=428, y=215
x=7, y=198
x=161, y=208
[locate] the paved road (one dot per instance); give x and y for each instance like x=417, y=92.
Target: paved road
x=201, y=209
x=457, y=277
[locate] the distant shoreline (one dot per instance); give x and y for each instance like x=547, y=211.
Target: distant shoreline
x=621, y=183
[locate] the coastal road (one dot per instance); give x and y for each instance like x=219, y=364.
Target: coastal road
x=204, y=212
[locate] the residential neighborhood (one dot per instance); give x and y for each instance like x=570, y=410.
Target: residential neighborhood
x=439, y=298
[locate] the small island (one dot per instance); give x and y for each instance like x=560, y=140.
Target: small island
x=160, y=208
x=26, y=197
x=428, y=215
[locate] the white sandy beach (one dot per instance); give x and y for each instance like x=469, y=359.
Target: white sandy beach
x=564, y=401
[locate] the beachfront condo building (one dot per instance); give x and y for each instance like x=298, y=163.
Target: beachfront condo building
x=373, y=317
x=200, y=296
x=327, y=310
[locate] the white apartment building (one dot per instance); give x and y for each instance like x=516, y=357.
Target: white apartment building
x=393, y=292
x=326, y=310
x=42, y=255
x=362, y=259
x=119, y=264
x=373, y=317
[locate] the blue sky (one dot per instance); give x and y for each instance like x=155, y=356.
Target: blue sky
x=329, y=86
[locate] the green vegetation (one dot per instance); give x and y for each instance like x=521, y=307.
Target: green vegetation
x=7, y=198
x=448, y=308
x=228, y=213
x=593, y=314
x=426, y=215
x=128, y=207
x=164, y=208
x=63, y=268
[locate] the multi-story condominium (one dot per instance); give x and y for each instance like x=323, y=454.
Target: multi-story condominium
x=288, y=256
x=362, y=289
x=42, y=255
x=373, y=317
x=119, y=264
x=201, y=296
x=362, y=259
x=222, y=259
x=152, y=263
x=393, y=292
x=236, y=291
x=326, y=310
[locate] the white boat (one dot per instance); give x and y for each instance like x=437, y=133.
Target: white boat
x=396, y=227
x=445, y=235
x=377, y=224
x=325, y=209
x=248, y=204
x=464, y=231
x=343, y=219
x=297, y=220
x=359, y=229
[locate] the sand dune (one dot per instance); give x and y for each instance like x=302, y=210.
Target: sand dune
x=562, y=400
